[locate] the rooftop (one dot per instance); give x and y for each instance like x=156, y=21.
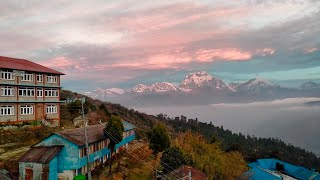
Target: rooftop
x=183, y=171
x=95, y=133
x=264, y=168
x=41, y=154
x=25, y=65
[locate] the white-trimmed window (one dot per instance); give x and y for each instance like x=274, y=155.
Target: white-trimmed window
x=51, y=93
x=7, y=91
x=7, y=75
x=52, y=79
x=39, y=77
x=27, y=77
x=7, y=110
x=26, y=110
x=39, y=93
x=25, y=91
x=52, y=109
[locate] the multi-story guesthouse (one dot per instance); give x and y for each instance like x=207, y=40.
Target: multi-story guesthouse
x=28, y=92
x=63, y=154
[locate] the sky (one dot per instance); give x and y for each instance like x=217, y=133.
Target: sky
x=120, y=43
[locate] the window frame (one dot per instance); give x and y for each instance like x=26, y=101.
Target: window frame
x=52, y=79
x=6, y=89
x=7, y=73
x=41, y=92
x=39, y=77
x=29, y=75
x=51, y=92
x=6, y=110
x=51, y=109
x=25, y=91
x=26, y=110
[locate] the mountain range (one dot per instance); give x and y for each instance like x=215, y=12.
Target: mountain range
x=203, y=88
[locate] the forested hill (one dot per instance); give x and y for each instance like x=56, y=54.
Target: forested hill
x=251, y=147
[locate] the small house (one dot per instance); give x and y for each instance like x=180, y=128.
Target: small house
x=63, y=154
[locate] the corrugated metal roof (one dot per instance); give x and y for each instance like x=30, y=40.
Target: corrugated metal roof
x=269, y=165
x=25, y=65
x=41, y=154
x=183, y=171
x=95, y=133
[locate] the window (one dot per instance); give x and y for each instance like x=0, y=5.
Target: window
x=26, y=91
x=7, y=75
x=51, y=93
x=83, y=152
x=6, y=110
x=39, y=77
x=26, y=110
x=39, y=93
x=7, y=91
x=52, y=109
x=52, y=79
x=27, y=77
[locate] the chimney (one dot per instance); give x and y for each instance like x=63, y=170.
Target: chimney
x=189, y=175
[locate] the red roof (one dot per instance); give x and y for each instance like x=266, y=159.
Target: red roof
x=25, y=65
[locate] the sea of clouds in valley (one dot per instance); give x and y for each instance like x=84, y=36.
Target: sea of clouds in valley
x=289, y=119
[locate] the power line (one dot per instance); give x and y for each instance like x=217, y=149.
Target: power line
x=113, y=130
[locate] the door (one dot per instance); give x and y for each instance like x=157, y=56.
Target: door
x=39, y=111
x=29, y=174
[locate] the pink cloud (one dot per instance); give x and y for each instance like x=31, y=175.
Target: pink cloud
x=66, y=64
x=232, y=54
x=172, y=15
x=311, y=50
x=265, y=51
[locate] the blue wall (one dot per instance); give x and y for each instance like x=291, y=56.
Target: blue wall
x=53, y=169
x=68, y=158
x=105, y=151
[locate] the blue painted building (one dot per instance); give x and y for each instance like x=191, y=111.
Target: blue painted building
x=265, y=169
x=68, y=156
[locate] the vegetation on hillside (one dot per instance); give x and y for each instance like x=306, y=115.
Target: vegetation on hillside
x=210, y=158
x=250, y=146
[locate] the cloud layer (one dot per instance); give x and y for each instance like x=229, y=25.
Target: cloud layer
x=289, y=119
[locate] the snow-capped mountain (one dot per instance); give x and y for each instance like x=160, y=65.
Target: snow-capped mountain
x=158, y=87
x=140, y=88
x=163, y=87
x=234, y=85
x=105, y=93
x=256, y=84
x=203, y=79
x=310, y=86
x=201, y=87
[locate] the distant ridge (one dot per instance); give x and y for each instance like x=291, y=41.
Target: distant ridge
x=203, y=88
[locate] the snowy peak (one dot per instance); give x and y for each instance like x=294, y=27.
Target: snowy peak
x=310, y=86
x=141, y=88
x=105, y=93
x=256, y=83
x=163, y=87
x=196, y=79
x=203, y=79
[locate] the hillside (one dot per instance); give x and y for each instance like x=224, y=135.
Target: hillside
x=252, y=147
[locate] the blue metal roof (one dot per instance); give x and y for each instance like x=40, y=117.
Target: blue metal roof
x=263, y=168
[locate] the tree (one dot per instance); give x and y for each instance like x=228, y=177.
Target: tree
x=172, y=158
x=159, y=138
x=114, y=131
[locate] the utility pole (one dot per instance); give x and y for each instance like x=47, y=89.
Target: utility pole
x=86, y=137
